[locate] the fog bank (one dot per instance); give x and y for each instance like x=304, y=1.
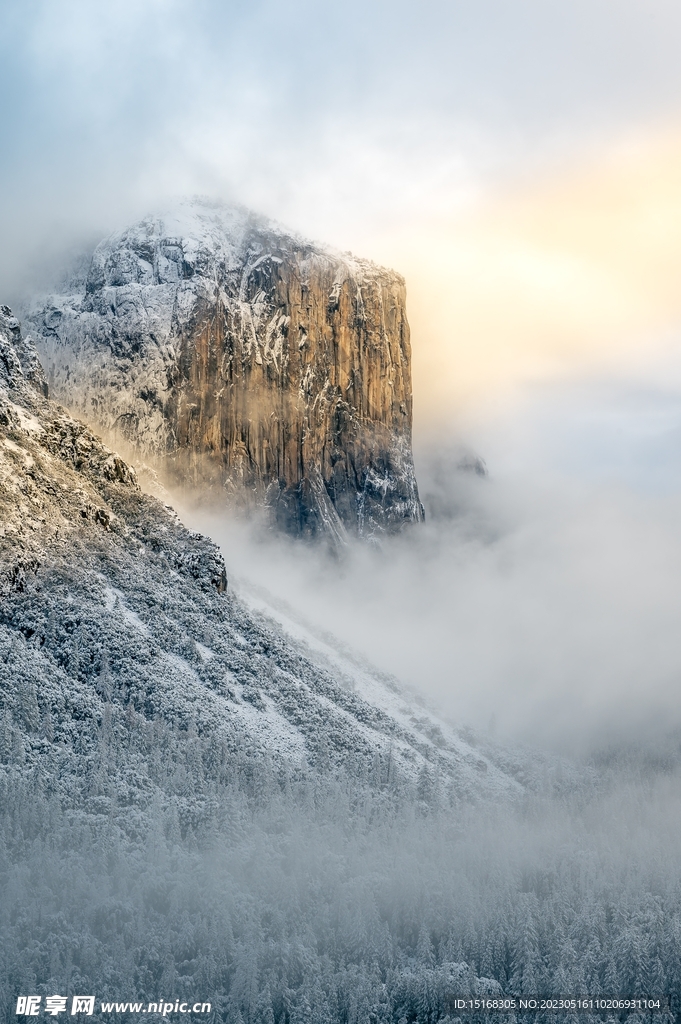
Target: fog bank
x=539, y=603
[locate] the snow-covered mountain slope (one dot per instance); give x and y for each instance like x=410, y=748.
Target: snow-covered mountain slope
x=109, y=602
x=201, y=797
x=262, y=366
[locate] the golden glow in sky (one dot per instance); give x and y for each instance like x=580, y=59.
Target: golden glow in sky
x=553, y=276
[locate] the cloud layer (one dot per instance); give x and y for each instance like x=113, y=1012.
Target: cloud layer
x=337, y=118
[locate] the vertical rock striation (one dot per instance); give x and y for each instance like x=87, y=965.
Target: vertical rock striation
x=248, y=359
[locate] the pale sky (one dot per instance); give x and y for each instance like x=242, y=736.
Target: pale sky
x=517, y=160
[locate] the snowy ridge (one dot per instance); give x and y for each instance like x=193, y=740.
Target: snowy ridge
x=419, y=727
x=118, y=602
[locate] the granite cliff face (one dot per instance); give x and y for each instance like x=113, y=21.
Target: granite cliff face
x=105, y=597
x=247, y=359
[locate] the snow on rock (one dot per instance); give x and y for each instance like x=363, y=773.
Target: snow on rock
x=111, y=602
x=257, y=364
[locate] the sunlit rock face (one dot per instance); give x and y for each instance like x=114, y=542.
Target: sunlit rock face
x=111, y=610
x=247, y=360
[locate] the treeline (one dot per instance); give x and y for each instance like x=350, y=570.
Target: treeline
x=174, y=865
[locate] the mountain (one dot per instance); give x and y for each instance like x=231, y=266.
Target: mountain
x=245, y=360
x=152, y=724
x=202, y=800
x=103, y=590
x=106, y=597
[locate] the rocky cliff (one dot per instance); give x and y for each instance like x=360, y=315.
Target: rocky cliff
x=247, y=359
x=194, y=802
x=104, y=595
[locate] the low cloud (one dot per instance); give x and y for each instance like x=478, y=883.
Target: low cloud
x=540, y=604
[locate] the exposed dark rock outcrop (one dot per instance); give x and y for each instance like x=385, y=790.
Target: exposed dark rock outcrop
x=248, y=359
